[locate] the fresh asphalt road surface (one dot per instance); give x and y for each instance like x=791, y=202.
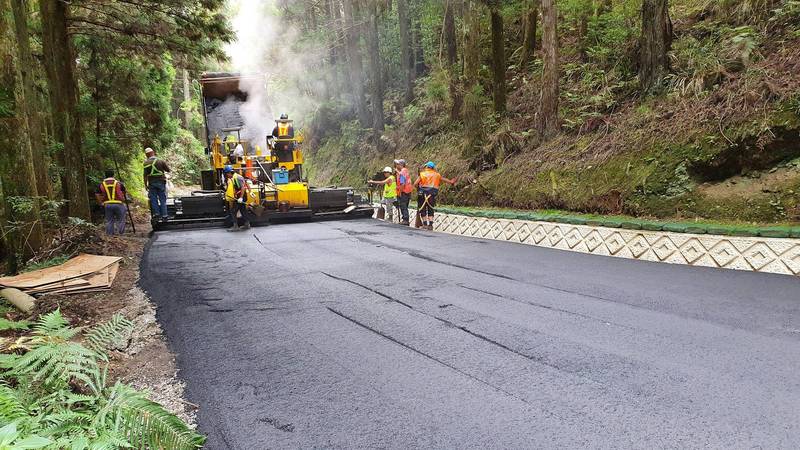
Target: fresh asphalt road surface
x=361, y=334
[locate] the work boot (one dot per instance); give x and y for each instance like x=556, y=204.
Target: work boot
x=405, y=222
x=246, y=226
x=234, y=228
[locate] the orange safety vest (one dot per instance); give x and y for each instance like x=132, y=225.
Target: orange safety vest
x=406, y=187
x=430, y=179
x=111, y=192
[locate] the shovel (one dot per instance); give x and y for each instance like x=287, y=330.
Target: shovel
x=418, y=220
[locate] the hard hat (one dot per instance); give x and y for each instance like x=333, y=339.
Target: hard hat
x=430, y=165
x=387, y=169
x=149, y=150
x=284, y=116
x=402, y=162
x=227, y=169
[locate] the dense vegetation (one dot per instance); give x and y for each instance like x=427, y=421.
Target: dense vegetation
x=61, y=397
x=681, y=108
x=85, y=86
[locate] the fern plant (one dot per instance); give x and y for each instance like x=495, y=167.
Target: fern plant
x=55, y=393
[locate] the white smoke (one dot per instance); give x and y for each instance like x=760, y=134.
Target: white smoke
x=269, y=48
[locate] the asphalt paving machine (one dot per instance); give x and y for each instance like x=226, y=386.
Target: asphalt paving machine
x=278, y=187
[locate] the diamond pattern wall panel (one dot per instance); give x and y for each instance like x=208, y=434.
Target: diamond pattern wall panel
x=739, y=253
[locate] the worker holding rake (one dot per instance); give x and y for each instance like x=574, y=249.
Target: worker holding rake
x=427, y=189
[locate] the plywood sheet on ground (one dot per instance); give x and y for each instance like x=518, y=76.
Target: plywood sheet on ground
x=97, y=281
x=74, y=282
x=79, y=266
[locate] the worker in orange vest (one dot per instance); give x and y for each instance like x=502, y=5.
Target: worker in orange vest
x=111, y=194
x=404, y=188
x=427, y=189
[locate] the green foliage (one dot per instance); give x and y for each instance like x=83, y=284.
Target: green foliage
x=11, y=438
x=700, y=63
x=436, y=87
x=108, y=335
x=186, y=158
x=56, y=394
x=7, y=102
x=55, y=261
x=788, y=15
x=412, y=113
x=6, y=324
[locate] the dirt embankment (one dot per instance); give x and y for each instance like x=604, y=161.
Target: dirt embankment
x=144, y=361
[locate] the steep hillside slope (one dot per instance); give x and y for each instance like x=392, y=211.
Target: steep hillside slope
x=720, y=142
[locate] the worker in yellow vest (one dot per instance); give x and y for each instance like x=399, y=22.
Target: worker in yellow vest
x=389, y=200
x=283, y=130
x=155, y=181
x=236, y=193
x=111, y=194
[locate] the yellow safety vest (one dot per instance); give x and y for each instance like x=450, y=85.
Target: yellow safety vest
x=154, y=172
x=234, y=184
x=111, y=192
x=390, y=188
x=283, y=129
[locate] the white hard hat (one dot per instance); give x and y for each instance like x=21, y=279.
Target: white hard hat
x=149, y=150
x=387, y=169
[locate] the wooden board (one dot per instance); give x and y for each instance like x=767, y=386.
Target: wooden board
x=79, y=266
x=97, y=280
x=112, y=273
x=58, y=285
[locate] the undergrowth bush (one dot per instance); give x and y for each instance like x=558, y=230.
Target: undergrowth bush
x=702, y=60
x=55, y=394
x=186, y=159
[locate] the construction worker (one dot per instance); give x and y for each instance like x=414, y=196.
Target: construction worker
x=404, y=188
x=427, y=189
x=155, y=181
x=283, y=130
x=389, y=192
x=230, y=145
x=111, y=194
x=236, y=193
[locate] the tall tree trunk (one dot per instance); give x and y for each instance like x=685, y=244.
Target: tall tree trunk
x=60, y=66
x=187, y=100
x=406, y=58
x=472, y=87
x=23, y=227
x=583, y=27
x=498, y=60
x=356, y=65
x=376, y=73
x=529, y=33
x=655, y=43
x=449, y=32
x=25, y=65
x=548, y=110
x=419, y=53
x=340, y=73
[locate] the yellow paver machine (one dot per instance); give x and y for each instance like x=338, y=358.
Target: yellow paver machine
x=273, y=168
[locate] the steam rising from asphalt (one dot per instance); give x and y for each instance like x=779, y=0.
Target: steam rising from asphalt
x=270, y=47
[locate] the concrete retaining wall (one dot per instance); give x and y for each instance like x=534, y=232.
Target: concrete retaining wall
x=756, y=254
